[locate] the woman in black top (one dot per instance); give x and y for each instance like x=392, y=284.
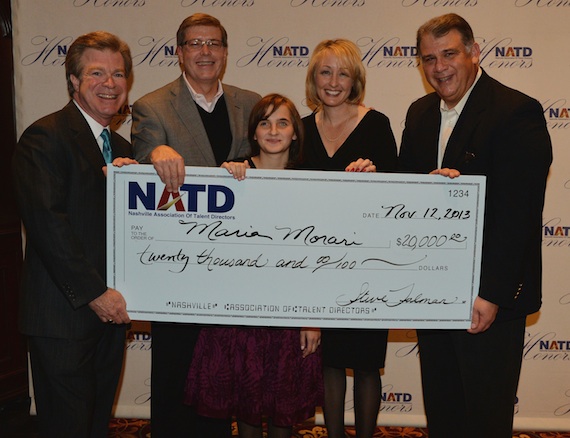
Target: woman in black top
x=342, y=134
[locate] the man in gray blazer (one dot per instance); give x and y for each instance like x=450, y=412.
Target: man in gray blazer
x=75, y=323
x=194, y=121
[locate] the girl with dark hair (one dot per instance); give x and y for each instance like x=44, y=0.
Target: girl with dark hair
x=254, y=373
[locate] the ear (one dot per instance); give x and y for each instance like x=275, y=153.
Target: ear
x=294, y=137
x=75, y=81
x=475, y=53
x=179, y=54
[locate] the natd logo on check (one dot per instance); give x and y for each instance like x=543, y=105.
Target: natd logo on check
x=215, y=198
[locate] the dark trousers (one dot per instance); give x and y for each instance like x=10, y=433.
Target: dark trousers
x=470, y=381
x=172, y=349
x=75, y=382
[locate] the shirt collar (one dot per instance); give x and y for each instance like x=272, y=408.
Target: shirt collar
x=96, y=127
x=200, y=99
x=461, y=104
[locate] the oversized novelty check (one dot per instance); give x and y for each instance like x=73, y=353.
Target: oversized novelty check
x=296, y=248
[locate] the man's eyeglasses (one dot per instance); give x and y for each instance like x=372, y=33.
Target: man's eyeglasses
x=197, y=44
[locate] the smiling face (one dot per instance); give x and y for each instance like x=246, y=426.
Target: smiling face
x=449, y=67
x=203, y=65
x=101, y=89
x=333, y=81
x=275, y=132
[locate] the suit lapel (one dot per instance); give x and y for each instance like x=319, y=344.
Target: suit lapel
x=235, y=113
x=431, y=138
x=460, y=147
x=427, y=140
x=82, y=136
x=121, y=147
x=185, y=107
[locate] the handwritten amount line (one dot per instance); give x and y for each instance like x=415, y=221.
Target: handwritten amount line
x=283, y=268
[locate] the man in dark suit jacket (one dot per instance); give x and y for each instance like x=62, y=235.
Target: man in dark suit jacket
x=193, y=121
x=74, y=322
x=472, y=124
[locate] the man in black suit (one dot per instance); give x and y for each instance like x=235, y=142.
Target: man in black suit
x=472, y=124
x=74, y=322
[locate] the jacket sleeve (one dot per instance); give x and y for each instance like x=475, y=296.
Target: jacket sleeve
x=41, y=168
x=519, y=156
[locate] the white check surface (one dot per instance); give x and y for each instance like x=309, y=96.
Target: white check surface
x=297, y=248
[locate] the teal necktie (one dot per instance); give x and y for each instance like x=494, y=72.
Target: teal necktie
x=107, y=151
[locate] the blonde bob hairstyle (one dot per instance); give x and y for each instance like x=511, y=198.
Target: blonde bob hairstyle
x=349, y=58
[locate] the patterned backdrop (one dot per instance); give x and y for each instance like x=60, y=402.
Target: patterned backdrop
x=524, y=44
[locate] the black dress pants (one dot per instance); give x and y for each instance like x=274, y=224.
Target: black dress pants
x=172, y=349
x=75, y=382
x=470, y=381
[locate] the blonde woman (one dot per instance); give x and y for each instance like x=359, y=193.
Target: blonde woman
x=343, y=134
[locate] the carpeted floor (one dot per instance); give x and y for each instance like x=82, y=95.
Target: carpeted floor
x=123, y=428
x=15, y=422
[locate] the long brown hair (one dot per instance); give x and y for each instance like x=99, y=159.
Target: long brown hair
x=262, y=110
